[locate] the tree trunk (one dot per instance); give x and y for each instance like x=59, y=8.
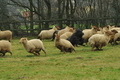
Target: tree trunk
x=31, y=18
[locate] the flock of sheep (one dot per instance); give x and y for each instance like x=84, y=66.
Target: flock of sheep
x=65, y=39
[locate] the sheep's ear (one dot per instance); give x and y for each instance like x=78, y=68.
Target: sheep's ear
x=93, y=26
x=115, y=31
x=57, y=27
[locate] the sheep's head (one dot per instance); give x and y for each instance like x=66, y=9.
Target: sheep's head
x=57, y=37
x=23, y=40
x=71, y=30
x=56, y=27
x=108, y=33
x=106, y=27
x=114, y=31
x=68, y=27
x=95, y=28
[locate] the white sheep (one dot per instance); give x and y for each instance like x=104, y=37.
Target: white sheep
x=5, y=46
x=33, y=46
x=101, y=30
x=89, y=32
x=66, y=29
x=47, y=34
x=113, y=37
x=63, y=44
x=116, y=38
x=67, y=34
x=99, y=40
x=7, y=34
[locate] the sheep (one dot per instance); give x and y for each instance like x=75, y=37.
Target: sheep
x=63, y=44
x=76, y=38
x=116, y=38
x=67, y=34
x=113, y=37
x=62, y=31
x=56, y=32
x=106, y=28
x=7, y=34
x=5, y=46
x=99, y=40
x=89, y=32
x=47, y=34
x=33, y=46
x=101, y=30
x=66, y=29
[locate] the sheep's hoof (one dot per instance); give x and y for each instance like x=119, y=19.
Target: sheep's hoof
x=36, y=54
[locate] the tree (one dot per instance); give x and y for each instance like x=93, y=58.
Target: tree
x=3, y=14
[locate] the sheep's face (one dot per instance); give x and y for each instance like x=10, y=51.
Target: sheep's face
x=95, y=28
x=57, y=27
x=68, y=27
x=23, y=40
x=114, y=31
x=57, y=37
x=71, y=30
x=106, y=27
x=108, y=33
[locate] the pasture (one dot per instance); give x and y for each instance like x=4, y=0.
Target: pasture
x=82, y=65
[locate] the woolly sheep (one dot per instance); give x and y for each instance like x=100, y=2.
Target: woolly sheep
x=89, y=32
x=5, y=46
x=7, y=34
x=66, y=29
x=63, y=44
x=33, y=46
x=56, y=32
x=116, y=38
x=47, y=34
x=99, y=40
x=101, y=30
x=113, y=37
x=67, y=34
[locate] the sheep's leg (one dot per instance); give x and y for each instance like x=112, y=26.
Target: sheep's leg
x=32, y=51
x=63, y=49
x=38, y=54
x=44, y=51
x=74, y=50
x=115, y=43
x=35, y=53
x=3, y=54
x=92, y=49
x=100, y=47
x=97, y=48
x=10, y=53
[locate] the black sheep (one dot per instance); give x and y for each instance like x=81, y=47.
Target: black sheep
x=76, y=38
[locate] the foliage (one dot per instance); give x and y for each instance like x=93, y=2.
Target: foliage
x=82, y=65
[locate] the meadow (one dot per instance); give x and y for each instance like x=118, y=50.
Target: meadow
x=82, y=65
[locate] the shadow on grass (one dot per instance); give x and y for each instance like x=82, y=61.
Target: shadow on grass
x=30, y=56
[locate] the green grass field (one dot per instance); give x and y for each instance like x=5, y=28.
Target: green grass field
x=82, y=65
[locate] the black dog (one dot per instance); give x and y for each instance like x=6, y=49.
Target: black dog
x=76, y=38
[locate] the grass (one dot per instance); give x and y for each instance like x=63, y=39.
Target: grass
x=82, y=65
